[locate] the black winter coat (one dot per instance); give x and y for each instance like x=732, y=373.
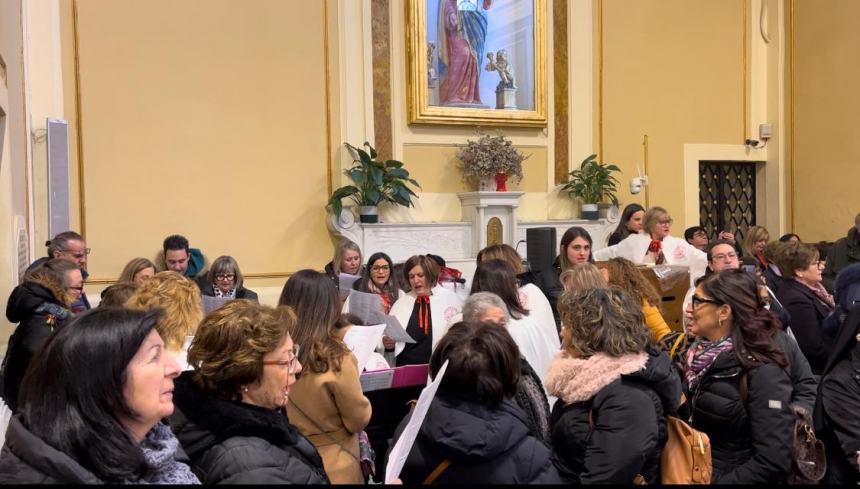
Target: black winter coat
x=241, y=292
x=38, y=313
x=230, y=442
x=485, y=444
x=805, y=387
x=807, y=313
x=750, y=440
x=26, y=459
x=629, y=426
x=836, y=419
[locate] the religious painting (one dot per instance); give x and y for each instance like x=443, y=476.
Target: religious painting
x=477, y=62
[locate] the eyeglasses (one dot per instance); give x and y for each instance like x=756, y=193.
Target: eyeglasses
x=666, y=222
x=818, y=263
x=701, y=300
x=382, y=268
x=77, y=254
x=724, y=256
x=290, y=364
x=225, y=276
x=76, y=288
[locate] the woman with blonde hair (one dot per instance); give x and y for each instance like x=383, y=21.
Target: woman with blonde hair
x=230, y=415
x=326, y=404
x=137, y=271
x=613, y=391
x=655, y=246
x=755, y=240
x=583, y=276
x=179, y=297
x=623, y=274
x=346, y=259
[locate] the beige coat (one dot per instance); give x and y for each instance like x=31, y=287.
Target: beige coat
x=339, y=411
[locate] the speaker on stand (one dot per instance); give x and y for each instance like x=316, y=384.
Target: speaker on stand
x=541, y=247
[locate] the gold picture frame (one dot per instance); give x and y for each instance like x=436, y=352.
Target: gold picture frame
x=428, y=104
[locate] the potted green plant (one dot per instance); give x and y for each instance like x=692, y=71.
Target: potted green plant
x=490, y=161
x=592, y=183
x=375, y=182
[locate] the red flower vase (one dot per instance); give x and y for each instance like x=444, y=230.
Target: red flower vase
x=501, y=182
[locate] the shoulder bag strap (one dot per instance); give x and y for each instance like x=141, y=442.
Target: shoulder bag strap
x=437, y=472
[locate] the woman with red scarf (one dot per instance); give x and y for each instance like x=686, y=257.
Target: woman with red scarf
x=655, y=246
x=425, y=311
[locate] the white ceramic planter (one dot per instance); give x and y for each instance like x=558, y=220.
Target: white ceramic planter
x=368, y=213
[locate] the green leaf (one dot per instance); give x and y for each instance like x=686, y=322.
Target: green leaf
x=370, y=149
x=393, y=164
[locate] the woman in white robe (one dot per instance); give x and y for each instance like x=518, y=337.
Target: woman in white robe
x=425, y=312
x=655, y=246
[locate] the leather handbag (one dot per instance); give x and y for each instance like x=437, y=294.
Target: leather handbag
x=809, y=462
x=686, y=456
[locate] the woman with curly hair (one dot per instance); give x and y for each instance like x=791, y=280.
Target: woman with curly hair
x=327, y=403
x=230, y=415
x=613, y=391
x=179, y=297
x=622, y=273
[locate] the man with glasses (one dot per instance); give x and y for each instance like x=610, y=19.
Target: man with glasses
x=70, y=246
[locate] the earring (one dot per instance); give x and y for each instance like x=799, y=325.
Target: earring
x=245, y=389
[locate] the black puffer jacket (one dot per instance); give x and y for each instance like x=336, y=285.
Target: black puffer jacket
x=627, y=399
x=26, y=459
x=39, y=314
x=485, y=444
x=836, y=420
x=805, y=387
x=750, y=441
x=237, y=443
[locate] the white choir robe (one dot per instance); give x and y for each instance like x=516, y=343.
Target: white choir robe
x=445, y=305
x=676, y=251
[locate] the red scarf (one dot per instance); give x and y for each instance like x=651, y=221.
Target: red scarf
x=656, y=247
x=424, y=313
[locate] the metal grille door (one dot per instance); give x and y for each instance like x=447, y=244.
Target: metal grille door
x=727, y=197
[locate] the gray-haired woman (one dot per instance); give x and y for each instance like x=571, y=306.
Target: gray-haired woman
x=225, y=280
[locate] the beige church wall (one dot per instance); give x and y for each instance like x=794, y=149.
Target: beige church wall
x=205, y=118
x=674, y=70
x=826, y=149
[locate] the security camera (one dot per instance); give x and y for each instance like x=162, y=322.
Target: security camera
x=635, y=185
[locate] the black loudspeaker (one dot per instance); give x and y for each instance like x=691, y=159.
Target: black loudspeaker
x=540, y=243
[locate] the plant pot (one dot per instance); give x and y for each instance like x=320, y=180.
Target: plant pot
x=368, y=214
x=501, y=182
x=487, y=184
x=589, y=211
x=603, y=210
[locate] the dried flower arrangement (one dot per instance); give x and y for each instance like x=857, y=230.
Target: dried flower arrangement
x=490, y=156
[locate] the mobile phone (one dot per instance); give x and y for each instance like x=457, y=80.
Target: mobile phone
x=749, y=269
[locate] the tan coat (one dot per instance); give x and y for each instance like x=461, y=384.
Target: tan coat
x=339, y=411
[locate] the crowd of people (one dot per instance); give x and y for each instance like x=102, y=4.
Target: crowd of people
x=563, y=375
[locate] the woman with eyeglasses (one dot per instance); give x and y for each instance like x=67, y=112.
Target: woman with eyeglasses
x=327, y=404
x=807, y=301
x=737, y=388
x=230, y=416
x=40, y=305
x=655, y=246
x=225, y=280
x=376, y=278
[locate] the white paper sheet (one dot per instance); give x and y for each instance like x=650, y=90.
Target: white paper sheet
x=398, y=455
x=345, y=281
x=362, y=341
x=211, y=303
x=369, y=308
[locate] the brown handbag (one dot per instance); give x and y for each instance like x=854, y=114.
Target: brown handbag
x=686, y=456
x=809, y=462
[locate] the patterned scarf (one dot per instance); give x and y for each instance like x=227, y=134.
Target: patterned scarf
x=822, y=294
x=159, y=448
x=656, y=247
x=230, y=293
x=701, y=356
